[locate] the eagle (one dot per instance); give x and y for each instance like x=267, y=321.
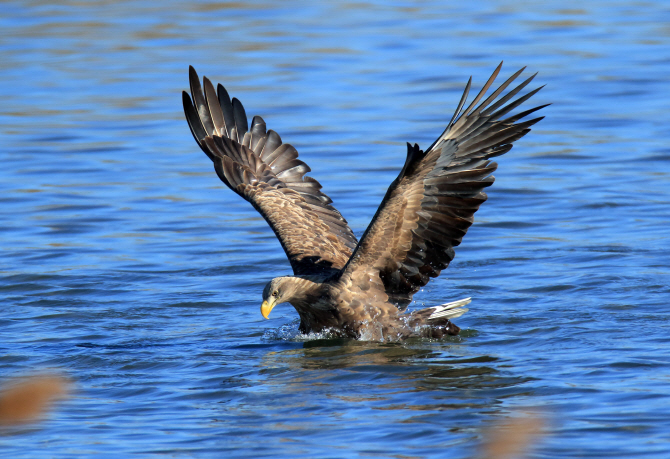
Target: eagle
x=354, y=288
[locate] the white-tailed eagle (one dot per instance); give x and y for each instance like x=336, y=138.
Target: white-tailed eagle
x=352, y=288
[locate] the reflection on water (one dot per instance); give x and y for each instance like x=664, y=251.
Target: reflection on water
x=126, y=264
x=414, y=368
x=414, y=383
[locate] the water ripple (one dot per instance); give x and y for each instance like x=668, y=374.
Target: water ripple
x=128, y=266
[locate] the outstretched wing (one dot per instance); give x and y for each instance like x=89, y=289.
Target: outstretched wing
x=430, y=206
x=266, y=172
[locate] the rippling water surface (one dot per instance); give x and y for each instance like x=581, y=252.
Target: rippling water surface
x=126, y=265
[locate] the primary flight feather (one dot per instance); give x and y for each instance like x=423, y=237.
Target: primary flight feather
x=351, y=288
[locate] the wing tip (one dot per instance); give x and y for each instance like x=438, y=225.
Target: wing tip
x=192, y=74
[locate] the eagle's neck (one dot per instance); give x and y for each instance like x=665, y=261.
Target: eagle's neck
x=304, y=292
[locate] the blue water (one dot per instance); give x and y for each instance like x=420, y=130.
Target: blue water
x=126, y=265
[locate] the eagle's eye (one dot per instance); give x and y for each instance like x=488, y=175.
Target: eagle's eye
x=275, y=293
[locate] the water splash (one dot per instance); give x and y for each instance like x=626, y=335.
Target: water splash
x=290, y=332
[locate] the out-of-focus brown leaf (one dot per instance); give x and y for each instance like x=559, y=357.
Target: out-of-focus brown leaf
x=512, y=438
x=25, y=399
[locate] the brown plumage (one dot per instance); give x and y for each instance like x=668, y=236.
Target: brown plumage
x=340, y=285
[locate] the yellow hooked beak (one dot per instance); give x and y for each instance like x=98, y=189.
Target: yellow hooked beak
x=267, y=307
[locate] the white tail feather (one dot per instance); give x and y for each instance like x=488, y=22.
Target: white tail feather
x=450, y=310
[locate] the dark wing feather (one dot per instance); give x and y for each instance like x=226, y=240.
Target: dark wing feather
x=267, y=173
x=430, y=206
